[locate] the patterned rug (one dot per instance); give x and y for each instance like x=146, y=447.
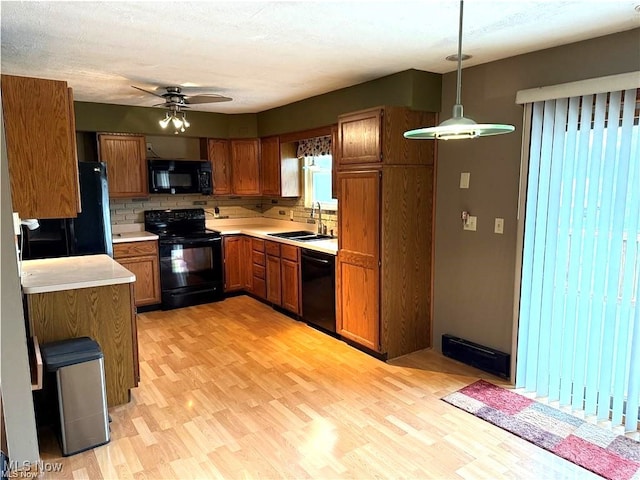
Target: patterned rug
x=612, y=456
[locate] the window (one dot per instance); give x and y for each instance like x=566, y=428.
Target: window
x=317, y=182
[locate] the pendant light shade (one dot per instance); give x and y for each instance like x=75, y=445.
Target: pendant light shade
x=458, y=126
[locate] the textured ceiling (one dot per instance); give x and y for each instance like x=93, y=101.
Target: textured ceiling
x=266, y=54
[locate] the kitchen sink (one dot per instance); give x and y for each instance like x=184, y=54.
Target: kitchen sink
x=301, y=236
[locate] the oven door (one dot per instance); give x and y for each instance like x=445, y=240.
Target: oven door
x=190, y=271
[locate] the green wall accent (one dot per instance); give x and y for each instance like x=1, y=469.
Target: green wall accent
x=104, y=117
x=412, y=88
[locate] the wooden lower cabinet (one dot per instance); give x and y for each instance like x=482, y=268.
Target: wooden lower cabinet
x=274, y=277
x=105, y=314
x=258, y=268
x=234, y=272
x=141, y=259
x=290, y=279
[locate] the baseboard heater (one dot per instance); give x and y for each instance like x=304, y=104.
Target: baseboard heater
x=478, y=356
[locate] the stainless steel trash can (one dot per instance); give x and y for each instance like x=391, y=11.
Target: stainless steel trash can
x=78, y=364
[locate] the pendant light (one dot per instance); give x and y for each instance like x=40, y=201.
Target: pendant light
x=458, y=126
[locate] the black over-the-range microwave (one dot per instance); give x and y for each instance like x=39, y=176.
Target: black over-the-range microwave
x=179, y=176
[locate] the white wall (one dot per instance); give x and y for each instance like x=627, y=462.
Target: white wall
x=15, y=377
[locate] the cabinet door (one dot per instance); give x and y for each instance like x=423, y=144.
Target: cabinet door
x=233, y=270
x=291, y=285
x=147, y=285
x=126, y=164
x=358, y=271
x=245, y=166
x=359, y=138
x=247, y=264
x=218, y=153
x=41, y=147
x=270, y=160
x=274, y=283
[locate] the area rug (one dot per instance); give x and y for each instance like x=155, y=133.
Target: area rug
x=592, y=447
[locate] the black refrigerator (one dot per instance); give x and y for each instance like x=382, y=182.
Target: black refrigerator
x=87, y=234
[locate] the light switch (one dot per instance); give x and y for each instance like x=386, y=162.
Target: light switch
x=498, y=226
x=464, y=179
x=471, y=223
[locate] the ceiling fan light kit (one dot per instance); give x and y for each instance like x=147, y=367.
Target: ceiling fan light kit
x=175, y=100
x=458, y=126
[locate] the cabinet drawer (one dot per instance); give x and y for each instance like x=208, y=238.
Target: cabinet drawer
x=259, y=271
x=135, y=249
x=257, y=245
x=258, y=258
x=272, y=248
x=290, y=252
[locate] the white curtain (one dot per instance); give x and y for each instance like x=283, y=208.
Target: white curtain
x=579, y=318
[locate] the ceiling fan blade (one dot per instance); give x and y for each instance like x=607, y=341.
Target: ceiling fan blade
x=147, y=91
x=211, y=98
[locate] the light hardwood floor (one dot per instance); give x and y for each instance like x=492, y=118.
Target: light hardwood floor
x=234, y=389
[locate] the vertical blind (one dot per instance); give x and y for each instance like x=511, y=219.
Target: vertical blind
x=579, y=318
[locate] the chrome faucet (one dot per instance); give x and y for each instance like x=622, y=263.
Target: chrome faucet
x=319, y=218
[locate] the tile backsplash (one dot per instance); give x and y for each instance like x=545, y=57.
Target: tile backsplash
x=131, y=211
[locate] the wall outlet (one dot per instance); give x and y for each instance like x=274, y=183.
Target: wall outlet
x=471, y=223
x=281, y=212
x=291, y=215
x=149, y=147
x=311, y=220
x=498, y=226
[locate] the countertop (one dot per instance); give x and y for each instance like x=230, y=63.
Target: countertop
x=70, y=273
x=133, y=237
x=260, y=228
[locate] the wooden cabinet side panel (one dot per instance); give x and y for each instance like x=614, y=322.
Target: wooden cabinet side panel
x=41, y=157
x=397, y=150
x=219, y=154
x=406, y=259
x=125, y=156
x=245, y=166
x=102, y=313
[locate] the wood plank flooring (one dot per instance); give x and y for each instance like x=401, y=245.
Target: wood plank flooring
x=234, y=389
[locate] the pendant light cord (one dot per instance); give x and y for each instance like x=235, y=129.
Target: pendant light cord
x=459, y=83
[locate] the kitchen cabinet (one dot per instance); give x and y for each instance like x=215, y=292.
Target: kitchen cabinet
x=218, y=152
x=245, y=167
x=258, y=264
x=280, y=168
x=384, y=261
x=274, y=282
x=334, y=161
x=141, y=259
x=290, y=278
x=39, y=125
x=125, y=156
x=233, y=263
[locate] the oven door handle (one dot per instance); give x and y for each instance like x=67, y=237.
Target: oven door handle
x=190, y=242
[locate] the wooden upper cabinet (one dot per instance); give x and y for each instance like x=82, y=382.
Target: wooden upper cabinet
x=334, y=161
x=39, y=128
x=360, y=141
x=270, y=159
x=219, y=154
x=125, y=156
x=245, y=166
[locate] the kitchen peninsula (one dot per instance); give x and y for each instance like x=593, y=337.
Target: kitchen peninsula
x=91, y=296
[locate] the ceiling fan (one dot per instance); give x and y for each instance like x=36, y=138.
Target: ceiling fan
x=175, y=96
x=175, y=99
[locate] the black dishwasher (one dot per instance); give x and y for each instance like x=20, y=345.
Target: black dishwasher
x=319, y=289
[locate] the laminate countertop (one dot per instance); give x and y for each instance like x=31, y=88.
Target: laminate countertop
x=70, y=273
x=125, y=237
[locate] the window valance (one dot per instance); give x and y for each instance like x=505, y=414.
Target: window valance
x=313, y=147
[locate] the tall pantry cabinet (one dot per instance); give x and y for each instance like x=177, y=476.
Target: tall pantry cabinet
x=385, y=193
